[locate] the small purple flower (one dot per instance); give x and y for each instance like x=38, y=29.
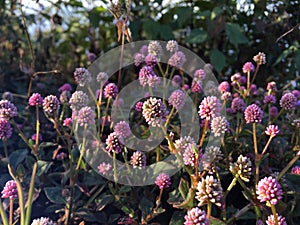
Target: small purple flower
x=68, y=122
x=118, y=102
x=189, y=155
x=35, y=100
x=199, y=75
x=226, y=96
x=154, y=48
x=104, y=167
x=138, y=59
x=271, y=220
x=172, y=46
x=147, y=76
x=122, y=129
x=43, y=221
x=219, y=125
x=114, y=143
x=272, y=130
x=184, y=143
x=269, y=99
x=64, y=97
x=154, y=111
x=91, y=56
x=51, y=105
x=138, y=159
x=185, y=87
x=139, y=106
x=196, y=216
x=288, y=101
x=65, y=87
x=163, y=181
x=242, y=167
x=33, y=137
x=196, y=87
x=78, y=100
x=5, y=129
x=235, y=79
x=269, y=190
x=296, y=93
x=61, y=156
x=296, y=170
x=86, y=116
x=150, y=60
x=111, y=90
x=144, y=50
x=224, y=87
x=273, y=111
x=271, y=86
x=176, y=80
x=7, y=110
x=210, y=107
x=102, y=77
x=177, y=59
x=248, y=67
x=260, y=58
x=10, y=190
x=82, y=76
x=253, y=114
x=177, y=99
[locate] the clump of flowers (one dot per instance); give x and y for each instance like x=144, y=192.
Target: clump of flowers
x=296, y=170
x=272, y=130
x=209, y=190
x=104, y=167
x=82, y=76
x=163, y=181
x=102, y=77
x=196, y=216
x=288, y=101
x=154, y=111
x=269, y=190
x=177, y=59
x=122, y=129
x=154, y=48
x=219, y=125
x=210, y=107
x=111, y=90
x=86, y=116
x=51, y=105
x=248, y=67
x=253, y=114
x=78, y=100
x=172, y=46
x=35, y=100
x=148, y=77
x=190, y=157
x=177, y=99
x=10, y=190
x=7, y=110
x=114, y=143
x=280, y=219
x=138, y=159
x=43, y=221
x=242, y=167
x=5, y=129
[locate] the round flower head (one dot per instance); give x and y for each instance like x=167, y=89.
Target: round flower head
x=269, y=190
x=269, y=99
x=104, y=167
x=163, y=181
x=212, y=154
x=148, y=77
x=199, y=75
x=7, y=110
x=82, y=76
x=248, y=67
x=196, y=216
x=91, y=56
x=260, y=58
x=64, y=97
x=138, y=159
x=219, y=125
x=296, y=93
x=185, y=87
x=139, y=106
x=209, y=190
x=177, y=59
x=296, y=170
x=253, y=114
x=33, y=137
x=272, y=130
x=68, y=122
x=226, y=96
x=144, y=50
x=7, y=96
x=271, y=220
x=210, y=107
x=224, y=87
x=176, y=80
x=43, y=221
x=242, y=168
x=10, y=190
x=183, y=143
x=235, y=79
x=114, y=143
x=35, y=100
x=122, y=129
x=172, y=46
x=65, y=87
x=189, y=155
x=154, y=111
x=196, y=87
x=288, y=101
x=61, y=156
x=271, y=86
x=51, y=105
x=150, y=60
x=273, y=112
x=177, y=99
x=86, y=116
x=5, y=129
x=138, y=59
x=102, y=77
x=154, y=48
x=78, y=100
x=111, y=90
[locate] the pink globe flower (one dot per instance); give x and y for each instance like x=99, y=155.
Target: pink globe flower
x=296, y=170
x=269, y=190
x=248, y=67
x=163, y=181
x=224, y=87
x=288, y=101
x=210, y=107
x=10, y=190
x=35, y=100
x=272, y=130
x=104, y=167
x=196, y=216
x=280, y=219
x=253, y=114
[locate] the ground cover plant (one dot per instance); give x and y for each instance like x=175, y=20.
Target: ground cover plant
x=146, y=133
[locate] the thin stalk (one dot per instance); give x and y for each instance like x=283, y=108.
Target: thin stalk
x=121, y=60
x=30, y=195
x=289, y=165
x=11, y=209
x=106, y=112
x=248, y=83
x=20, y=196
x=115, y=167
x=254, y=138
x=169, y=117
x=232, y=184
x=92, y=94
x=278, y=115
x=208, y=214
x=99, y=105
x=273, y=208
x=82, y=148
x=37, y=130
x=3, y=214
x=21, y=134
x=255, y=73
x=5, y=149
x=158, y=200
x=257, y=156
x=266, y=146
x=200, y=146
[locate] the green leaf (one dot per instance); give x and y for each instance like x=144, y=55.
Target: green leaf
x=166, y=32
x=54, y=195
x=184, y=15
x=151, y=29
x=297, y=60
x=43, y=167
x=86, y=215
x=188, y=202
x=177, y=218
x=124, y=189
x=183, y=188
x=145, y=206
x=216, y=12
x=196, y=36
x=17, y=157
x=285, y=54
x=103, y=201
x=215, y=221
x=217, y=59
x=235, y=35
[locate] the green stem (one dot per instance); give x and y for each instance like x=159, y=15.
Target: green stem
x=169, y=117
x=208, y=211
x=273, y=208
x=21, y=134
x=289, y=165
x=278, y=115
x=3, y=214
x=82, y=148
x=232, y=184
x=30, y=195
x=37, y=131
x=106, y=112
x=20, y=196
x=266, y=146
x=115, y=167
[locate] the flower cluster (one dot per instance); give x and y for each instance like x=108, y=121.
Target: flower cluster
x=269, y=190
x=242, y=167
x=154, y=111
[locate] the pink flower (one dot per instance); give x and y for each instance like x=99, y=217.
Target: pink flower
x=35, y=100
x=280, y=219
x=288, y=101
x=296, y=170
x=248, y=67
x=210, y=107
x=196, y=216
x=10, y=190
x=163, y=181
x=272, y=130
x=253, y=114
x=68, y=122
x=5, y=129
x=104, y=167
x=65, y=87
x=224, y=87
x=122, y=129
x=269, y=190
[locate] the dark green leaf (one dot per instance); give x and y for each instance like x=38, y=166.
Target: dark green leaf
x=103, y=201
x=215, y=221
x=235, y=35
x=95, y=15
x=166, y=32
x=43, y=167
x=183, y=188
x=177, y=218
x=86, y=215
x=151, y=29
x=217, y=59
x=145, y=206
x=17, y=157
x=216, y=12
x=196, y=36
x=54, y=195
